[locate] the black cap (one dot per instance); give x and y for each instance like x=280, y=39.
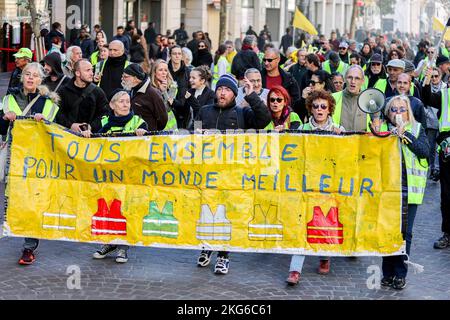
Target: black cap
x=441, y=60
x=116, y=91
x=135, y=70
x=376, y=57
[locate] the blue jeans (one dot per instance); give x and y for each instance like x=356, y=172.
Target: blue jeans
x=297, y=262
x=394, y=266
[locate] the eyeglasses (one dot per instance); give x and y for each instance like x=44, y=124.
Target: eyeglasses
x=279, y=100
x=268, y=60
x=342, y=48
x=376, y=64
x=312, y=82
x=395, y=109
x=435, y=76
x=430, y=52
x=31, y=75
x=321, y=106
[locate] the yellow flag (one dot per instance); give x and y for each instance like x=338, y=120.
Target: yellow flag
x=301, y=22
x=439, y=26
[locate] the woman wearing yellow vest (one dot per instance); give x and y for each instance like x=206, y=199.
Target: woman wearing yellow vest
x=162, y=80
x=415, y=149
x=220, y=65
x=32, y=99
x=320, y=104
x=122, y=119
x=278, y=102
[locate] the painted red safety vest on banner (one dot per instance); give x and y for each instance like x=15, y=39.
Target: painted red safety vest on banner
x=109, y=221
x=325, y=230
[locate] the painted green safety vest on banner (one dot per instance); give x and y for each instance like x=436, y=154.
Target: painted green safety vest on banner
x=293, y=117
x=416, y=169
x=130, y=126
x=49, y=112
x=160, y=223
x=338, y=96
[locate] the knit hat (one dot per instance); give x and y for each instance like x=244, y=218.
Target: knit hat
x=135, y=70
x=228, y=81
x=376, y=57
x=409, y=66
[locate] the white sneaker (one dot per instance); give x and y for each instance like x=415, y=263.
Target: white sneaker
x=122, y=256
x=204, y=259
x=222, y=265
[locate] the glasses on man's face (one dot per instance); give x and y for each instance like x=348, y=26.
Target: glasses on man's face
x=434, y=76
x=396, y=109
x=375, y=64
x=279, y=100
x=430, y=52
x=268, y=60
x=342, y=48
x=321, y=106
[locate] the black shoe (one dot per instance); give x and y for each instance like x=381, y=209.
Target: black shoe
x=443, y=242
x=204, y=259
x=434, y=175
x=104, y=251
x=399, y=283
x=387, y=281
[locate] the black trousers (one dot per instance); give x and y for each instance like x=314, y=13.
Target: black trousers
x=445, y=193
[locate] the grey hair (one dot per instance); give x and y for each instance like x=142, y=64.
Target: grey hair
x=69, y=52
x=274, y=51
x=251, y=70
x=119, y=43
x=412, y=120
x=355, y=66
x=227, y=42
x=118, y=95
x=250, y=40
x=36, y=66
x=188, y=54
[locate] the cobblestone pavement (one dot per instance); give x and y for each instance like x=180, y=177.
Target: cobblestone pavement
x=172, y=274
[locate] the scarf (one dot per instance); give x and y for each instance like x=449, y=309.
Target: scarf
x=283, y=117
x=437, y=88
x=115, y=121
x=328, y=126
x=246, y=47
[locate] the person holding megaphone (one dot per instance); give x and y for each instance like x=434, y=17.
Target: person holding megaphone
x=415, y=148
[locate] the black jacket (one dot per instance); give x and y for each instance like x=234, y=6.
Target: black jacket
x=434, y=100
x=54, y=61
x=244, y=60
x=112, y=74
x=87, y=46
x=50, y=35
x=137, y=52
x=14, y=81
x=298, y=72
x=181, y=76
x=207, y=97
x=290, y=84
x=90, y=110
x=257, y=116
x=203, y=58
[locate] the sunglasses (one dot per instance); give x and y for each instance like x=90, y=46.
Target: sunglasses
x=430, y=52
x=312, y=82
x=342, y=48
x=268, y=60
x=321, y=106
x=395, y=109
x=376, y=64
x=276, y=99
x=435, y=76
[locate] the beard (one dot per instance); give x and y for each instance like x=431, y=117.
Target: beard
x=126, y=86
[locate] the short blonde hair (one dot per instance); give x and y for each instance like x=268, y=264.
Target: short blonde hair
x=404, y=98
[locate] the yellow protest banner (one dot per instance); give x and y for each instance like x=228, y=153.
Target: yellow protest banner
x=439, y=26
x=282, y=193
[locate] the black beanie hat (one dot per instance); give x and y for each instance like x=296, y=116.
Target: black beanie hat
x=135, y=70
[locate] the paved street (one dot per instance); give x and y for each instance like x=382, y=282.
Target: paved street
x=172, y=274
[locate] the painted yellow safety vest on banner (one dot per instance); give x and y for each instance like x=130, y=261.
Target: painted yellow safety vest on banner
x=278, y=193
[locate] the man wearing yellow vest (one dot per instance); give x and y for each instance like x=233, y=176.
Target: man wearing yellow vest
x=388, y=86
x=346, y=113
x=334, y=64
x=441, y=101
